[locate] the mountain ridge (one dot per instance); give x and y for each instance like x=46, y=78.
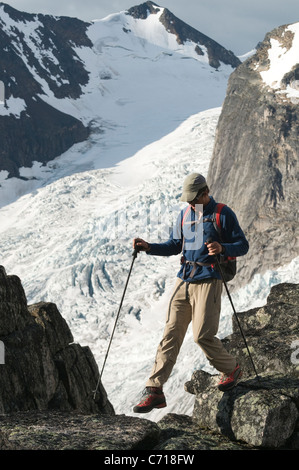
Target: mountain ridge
x=58, y=61
x=185, y=33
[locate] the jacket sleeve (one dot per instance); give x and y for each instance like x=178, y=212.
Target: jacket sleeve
x=173, y=246
x=234, y=240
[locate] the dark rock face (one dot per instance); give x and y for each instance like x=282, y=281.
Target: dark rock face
x=40, y=132
x=271, y=331
x=56, y=35
x=41, y=135
x=44, y=369
x=185, y=33
x=143, y=10
x=254, y=167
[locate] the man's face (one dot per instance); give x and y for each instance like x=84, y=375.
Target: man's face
x=198, y=200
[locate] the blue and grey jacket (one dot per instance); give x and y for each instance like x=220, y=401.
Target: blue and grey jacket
x=189, y=238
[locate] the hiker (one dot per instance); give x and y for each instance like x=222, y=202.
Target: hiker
x=197, y=293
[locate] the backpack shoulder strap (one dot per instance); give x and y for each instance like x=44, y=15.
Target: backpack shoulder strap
x=217, y=213
x=185, y=214
x=187, y=210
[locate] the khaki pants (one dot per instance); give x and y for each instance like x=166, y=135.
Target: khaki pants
x=201, y=304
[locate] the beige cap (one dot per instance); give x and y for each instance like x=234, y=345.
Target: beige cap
x=192, y=185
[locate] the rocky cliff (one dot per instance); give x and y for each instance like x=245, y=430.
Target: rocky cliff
x=254, y=167
x=43, y=368
x=46, y=385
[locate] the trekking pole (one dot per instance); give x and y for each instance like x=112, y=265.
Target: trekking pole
x=134, y=254
x=234, y=310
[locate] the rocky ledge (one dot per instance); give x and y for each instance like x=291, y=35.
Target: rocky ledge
x=46, y=382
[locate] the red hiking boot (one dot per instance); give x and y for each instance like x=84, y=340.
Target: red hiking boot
x=153, y=397
x=227, y=382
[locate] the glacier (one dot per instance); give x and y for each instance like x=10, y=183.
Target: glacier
x=68, y=243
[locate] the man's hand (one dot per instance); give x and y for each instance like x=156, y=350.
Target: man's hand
x=214, y=248
x=140, y=245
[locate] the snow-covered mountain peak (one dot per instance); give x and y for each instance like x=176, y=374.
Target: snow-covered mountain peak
x=158, y=26
x=152, y=16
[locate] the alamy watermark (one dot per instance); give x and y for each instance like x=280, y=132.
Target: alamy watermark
x=2, y=353
x=2, y=93
x=157, y=221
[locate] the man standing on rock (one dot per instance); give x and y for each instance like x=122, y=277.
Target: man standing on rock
x=197, y=294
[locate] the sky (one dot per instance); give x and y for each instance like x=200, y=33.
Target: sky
x=238, y=25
